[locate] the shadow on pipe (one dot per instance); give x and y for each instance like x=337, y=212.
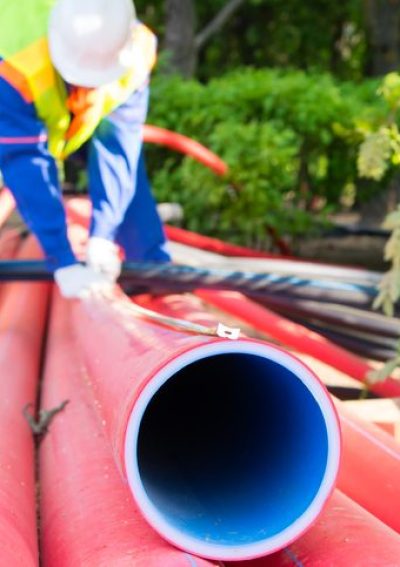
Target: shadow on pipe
x=232, y=450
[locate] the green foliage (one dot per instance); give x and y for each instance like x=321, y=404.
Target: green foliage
x=389, y=287
x=290, y=139
x=375, y=151
x=317, y=36
x=380, y=149
x=251, y=198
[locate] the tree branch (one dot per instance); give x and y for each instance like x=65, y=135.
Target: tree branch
x=218, y=22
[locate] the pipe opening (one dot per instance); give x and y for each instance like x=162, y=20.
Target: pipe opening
x=232, y=449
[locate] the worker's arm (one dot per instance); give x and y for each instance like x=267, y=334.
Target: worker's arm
x=30, y=172
x=113, y=163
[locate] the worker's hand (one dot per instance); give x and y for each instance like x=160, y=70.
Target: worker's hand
x=79, y=281
x=102, y=256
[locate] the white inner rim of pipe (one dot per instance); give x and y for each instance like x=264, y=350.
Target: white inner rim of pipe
x=272, y=543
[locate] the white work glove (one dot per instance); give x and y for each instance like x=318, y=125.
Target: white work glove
x=102, y=256
x=79, y=281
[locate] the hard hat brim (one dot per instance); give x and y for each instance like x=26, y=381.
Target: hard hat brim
x=75, y=73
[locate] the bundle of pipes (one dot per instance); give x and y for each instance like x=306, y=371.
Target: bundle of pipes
x=274, y=284
x=372, y=335
x=77, y=456
x=348, y=317
x=352, y=326
x=363, y=332
x=189, y=456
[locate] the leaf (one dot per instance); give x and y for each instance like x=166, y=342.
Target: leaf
x=380, y=375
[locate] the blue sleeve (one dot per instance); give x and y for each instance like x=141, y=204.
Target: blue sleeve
x=113, y=163
x=30, y=172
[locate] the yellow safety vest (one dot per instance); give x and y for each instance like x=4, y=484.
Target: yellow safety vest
x=32, y=73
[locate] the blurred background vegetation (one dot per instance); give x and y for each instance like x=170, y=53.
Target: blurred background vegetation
x=300, y=99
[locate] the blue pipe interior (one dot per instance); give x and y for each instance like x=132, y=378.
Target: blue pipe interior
x=232, y=449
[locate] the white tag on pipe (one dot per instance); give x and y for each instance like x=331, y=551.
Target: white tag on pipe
x=225, y=332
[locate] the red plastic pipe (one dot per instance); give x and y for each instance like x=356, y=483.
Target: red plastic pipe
x=210, y=244
x=298, y=337
x=7, y=205
x=370, y=468
x=22, y=323
x=88, y=516
x=201, y=465
x=345, y=535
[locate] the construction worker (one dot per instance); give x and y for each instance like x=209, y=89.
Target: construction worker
x=74, y=77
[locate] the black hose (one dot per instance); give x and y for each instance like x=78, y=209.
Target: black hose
x=347, y=317
x=179, y=278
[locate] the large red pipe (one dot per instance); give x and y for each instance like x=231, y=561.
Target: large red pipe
x=370, y=459
x=22, y=324
x=298, y=337
x=88, y=516
x=202, y=427
x=345, y=535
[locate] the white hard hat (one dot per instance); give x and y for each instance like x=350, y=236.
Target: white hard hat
x=91, y=42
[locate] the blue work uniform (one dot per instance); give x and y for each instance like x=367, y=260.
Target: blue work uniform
x=123, y=207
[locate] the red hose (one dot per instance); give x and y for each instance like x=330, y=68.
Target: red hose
x=210, y=244
x=345, y=535
x=22, y=324
x=298, y=337
x=185, y=145
x=88, y=516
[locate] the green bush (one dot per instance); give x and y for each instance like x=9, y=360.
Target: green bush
x=290, y=139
